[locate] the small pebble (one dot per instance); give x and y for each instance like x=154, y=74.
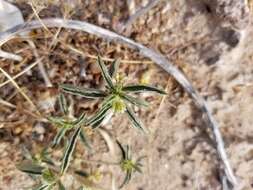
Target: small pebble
x=17, y=130
x=39, y=128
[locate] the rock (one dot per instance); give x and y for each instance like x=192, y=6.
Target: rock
x=18, y=130
x=39, y=129
x=47, y=101
x=103, y=19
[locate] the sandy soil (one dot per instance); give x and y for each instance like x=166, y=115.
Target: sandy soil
x=215, y=54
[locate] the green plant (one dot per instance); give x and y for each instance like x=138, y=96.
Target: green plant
x=127, y=164
x=115, y=99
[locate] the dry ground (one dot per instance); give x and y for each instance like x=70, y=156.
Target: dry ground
x=216, y=57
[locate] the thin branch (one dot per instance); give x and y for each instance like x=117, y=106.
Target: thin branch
x=159, y=59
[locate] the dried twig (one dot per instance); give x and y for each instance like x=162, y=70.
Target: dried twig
x=8, y=55
x=20, y=90
x=41, y=67
x=36, y=13
x=159, y=59
x=7, y=104
x=21, y=73
x=141, y=11
x=32, y=45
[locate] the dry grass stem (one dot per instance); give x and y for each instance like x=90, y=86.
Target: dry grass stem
x=11, y=56
x=21, y=73
x=41, y=66
x=20, y=90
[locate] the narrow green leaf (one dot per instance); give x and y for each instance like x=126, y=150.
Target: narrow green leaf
x=137, y=168
x=45, y=157
x=135, y=101
x=98, y=123
x=42, y=187
x=138, y=161
x=63, y=104
x=126, y=179
x=99, y=115
x=83, y=92
x=85, y=140
x=51, y=186
x=44, y=152
x=123, y=152
x=128, y=152
x=60, y=134
x=80, y=120
x=108, y=100
x=61, y=186
x=48, y=161
x=105, y=73
x=143, y=88
x=114, y=67
x=59, y=121
x=136, y=123
x=69, y=150
x=30, y=168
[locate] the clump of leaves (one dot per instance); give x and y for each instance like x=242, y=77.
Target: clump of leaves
x=67, y=123
x=49, y=175
x=116, y=98
x=127, y=164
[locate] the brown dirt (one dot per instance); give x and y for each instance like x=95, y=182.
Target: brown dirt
x=214, y=56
